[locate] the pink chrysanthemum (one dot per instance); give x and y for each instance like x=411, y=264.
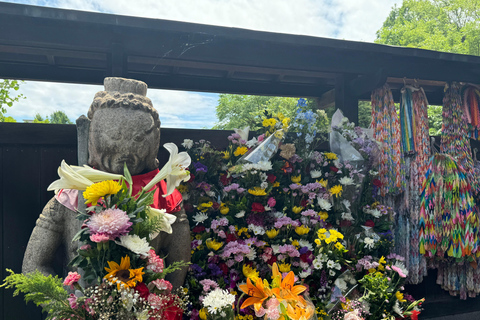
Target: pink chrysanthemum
x=111, y=222
x=163, y=285
x=155, y=263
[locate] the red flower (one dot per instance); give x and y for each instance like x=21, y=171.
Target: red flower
x=303, y=203
x=188, y=207
x=192, y=177
x=216, y=206
x=258, y=207
x=414, y=315
x=271, y=178
x=198, y=229
x=224, y=268
x=345, y=223
x=142, y=289
x=370, y=223
x=334, y=169
x=377, y=183
x=230, y=237
x=272, y=260
x=225, y=180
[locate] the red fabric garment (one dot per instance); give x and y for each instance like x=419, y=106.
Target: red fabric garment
x=171, y=203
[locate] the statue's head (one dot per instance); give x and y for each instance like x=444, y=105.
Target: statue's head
x=124, y=128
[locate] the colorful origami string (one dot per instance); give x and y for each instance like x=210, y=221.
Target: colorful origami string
x=386, y=130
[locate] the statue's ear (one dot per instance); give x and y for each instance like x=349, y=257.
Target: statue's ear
x=83, y=127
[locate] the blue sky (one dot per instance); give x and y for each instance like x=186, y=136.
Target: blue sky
x=342, y=19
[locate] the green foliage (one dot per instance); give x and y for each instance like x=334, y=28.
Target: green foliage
x=239, y=111
x=59, y=117
x=435, y=120
x=6, y=98
x=441, y=25
x=39, y=119
x=364, y=114
x=47, y=292
x=6, y=119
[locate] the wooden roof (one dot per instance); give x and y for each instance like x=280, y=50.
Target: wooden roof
x=40, y=43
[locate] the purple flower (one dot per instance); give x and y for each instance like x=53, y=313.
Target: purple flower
x=199, y=167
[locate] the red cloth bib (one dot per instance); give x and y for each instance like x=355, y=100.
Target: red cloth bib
x=171, y=202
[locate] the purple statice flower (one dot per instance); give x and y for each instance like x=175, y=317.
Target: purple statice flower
x=366, y=263
x=240, y=190
x=236, y=136
x=285, y=221
x=197, y=271
x=295, y=158
x=200, y=167
x=313, y=186
x=395, y=256
x=234, y=248
x=303, y=250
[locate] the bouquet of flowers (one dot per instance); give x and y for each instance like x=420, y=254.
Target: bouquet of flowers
x=120, y=276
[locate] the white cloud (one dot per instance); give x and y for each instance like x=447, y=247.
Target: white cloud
x=343, y=19
x=176, y=109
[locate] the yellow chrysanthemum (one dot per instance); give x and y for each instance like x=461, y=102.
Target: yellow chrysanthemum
x=302, y=230
x=284, y=267
x=323, y=182
x=321, y=231
x=257, y=191
x=322, y=236
x=240, y=151
x=286, y=122
x=318, y=242
x=280, y=116
x=226, y=155
x=323, y=215
x=279, y=134
x=243, y=230
x=297, y=210
x=213, y=245
x=272, y=233
x=224, y=209
x=399, y=296
x=330, y=156
x=296, y=179
x=250, y=272
x=336, y=190
x=295, y=243
x=339, y=246
x=122, y=275
x=98, y=190
x=276, y=184
x=202, y=313
x=269, y=122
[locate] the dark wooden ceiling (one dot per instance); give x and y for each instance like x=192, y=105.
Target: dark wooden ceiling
x=48, y=44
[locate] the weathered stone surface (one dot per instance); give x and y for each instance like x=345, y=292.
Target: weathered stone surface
x=124, y=128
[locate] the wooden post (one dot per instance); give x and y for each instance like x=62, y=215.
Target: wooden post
x=345, y=100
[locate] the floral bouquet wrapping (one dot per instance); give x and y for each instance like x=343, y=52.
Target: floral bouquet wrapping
x=120, y=276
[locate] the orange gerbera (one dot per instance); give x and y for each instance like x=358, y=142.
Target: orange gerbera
x=287, y=290
x=122, y=275
x=258, y=293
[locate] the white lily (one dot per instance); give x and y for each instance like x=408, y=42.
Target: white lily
x=79, y=178
x=69, y=179
x=243, y=133
x=166, y=219
x=174, y=171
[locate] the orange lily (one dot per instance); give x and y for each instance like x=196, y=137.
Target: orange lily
x=287, y=290
x=258, y=294
x=299, y=312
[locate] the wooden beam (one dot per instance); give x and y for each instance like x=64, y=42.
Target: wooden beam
x=345, y=100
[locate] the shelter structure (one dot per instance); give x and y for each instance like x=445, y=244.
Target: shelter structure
x=57, y=45
x=47, y=44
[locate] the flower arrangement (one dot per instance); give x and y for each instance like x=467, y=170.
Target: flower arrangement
x=121, y=276
x=303, y=210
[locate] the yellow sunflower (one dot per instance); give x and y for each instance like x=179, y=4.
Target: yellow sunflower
x=122, y=274
x=98, y=190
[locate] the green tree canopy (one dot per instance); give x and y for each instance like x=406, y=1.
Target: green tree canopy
x=59, y=117
x=39, y=119
x=7, y=119
x=238, y=111
x=441, y=25
x=6, y=97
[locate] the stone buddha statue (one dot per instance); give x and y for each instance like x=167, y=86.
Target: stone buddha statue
x=124, y=128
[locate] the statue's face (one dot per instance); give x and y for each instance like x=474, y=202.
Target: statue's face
x=119, y=136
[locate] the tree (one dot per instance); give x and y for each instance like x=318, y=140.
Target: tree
x=39, y=119
x=238, y=111
x=7, y=119
x=441, y=25
x=59, y=117
x=6, y=98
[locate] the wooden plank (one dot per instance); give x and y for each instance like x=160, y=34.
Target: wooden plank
x=37, y=133
x=21, y=206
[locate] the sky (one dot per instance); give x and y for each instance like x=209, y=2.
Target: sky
x=340, y=19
